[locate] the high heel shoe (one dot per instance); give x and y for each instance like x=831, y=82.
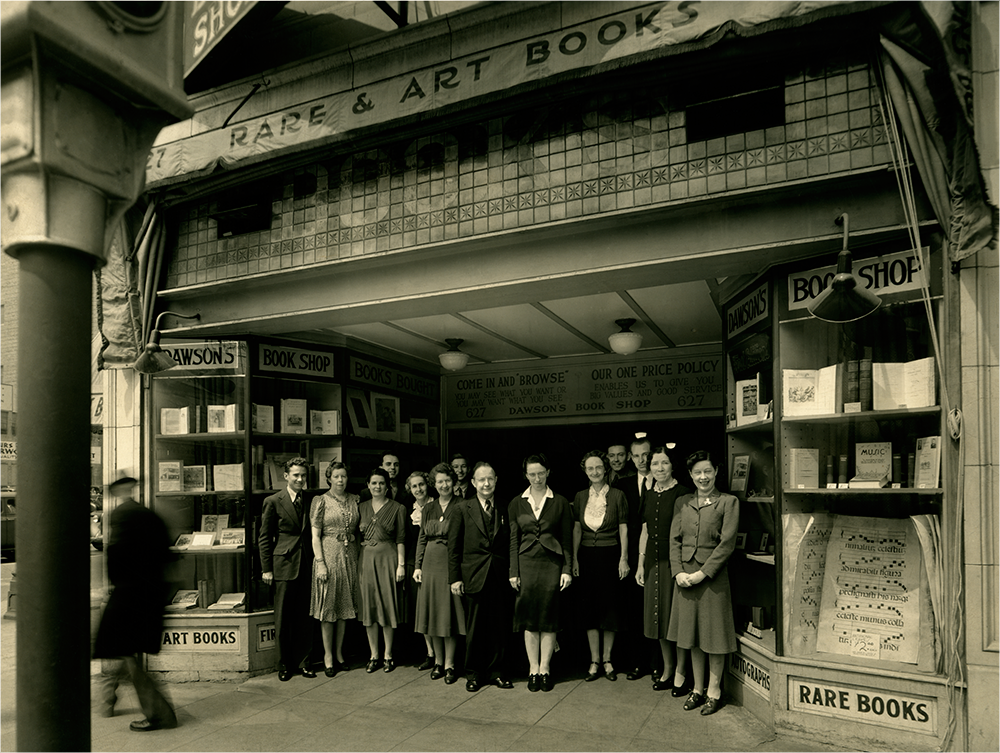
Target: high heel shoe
x=389, y=665
x=373, y=664
x=609, y=671
x=594, y=672
x=438, y=672
x=679, y=691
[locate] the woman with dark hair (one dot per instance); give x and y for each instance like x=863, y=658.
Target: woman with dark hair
x=600, y=560
x=658, y=511
x=383, y=565
x=335, y=595
x=541, y=558
x=440, y=614
x=702, y=538
x=416, y=485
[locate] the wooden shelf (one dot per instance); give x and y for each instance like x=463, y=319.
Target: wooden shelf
x=756, y=426
x=868, y=415
x=202, y=436
x=209, y=493
x=767, y=559
x=862, y=492
x=261, y=434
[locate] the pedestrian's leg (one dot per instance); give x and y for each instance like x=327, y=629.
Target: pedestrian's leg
x=112, y=674
x=155, y=707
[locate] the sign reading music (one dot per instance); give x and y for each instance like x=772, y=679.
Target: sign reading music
x=658, y=383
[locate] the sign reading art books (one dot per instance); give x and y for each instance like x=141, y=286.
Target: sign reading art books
x=870, y=605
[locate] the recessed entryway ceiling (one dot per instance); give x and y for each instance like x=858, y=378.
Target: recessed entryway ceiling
x=666, y=316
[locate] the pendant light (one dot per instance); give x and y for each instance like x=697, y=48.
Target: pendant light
x=844, y=300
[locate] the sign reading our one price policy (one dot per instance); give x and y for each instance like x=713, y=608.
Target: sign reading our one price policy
x=588, y=387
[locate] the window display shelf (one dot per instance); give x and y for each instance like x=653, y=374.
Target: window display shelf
x=201, y=437
x=862, y=492
x=869, y=415
x=754, y=428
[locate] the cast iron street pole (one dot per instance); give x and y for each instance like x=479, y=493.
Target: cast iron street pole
x=86, y=88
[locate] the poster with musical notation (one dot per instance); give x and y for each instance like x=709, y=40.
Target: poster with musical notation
x=806, y=538
x=870, y=602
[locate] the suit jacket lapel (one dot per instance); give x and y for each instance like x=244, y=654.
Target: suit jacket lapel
x=286, y=502
x=476, y=511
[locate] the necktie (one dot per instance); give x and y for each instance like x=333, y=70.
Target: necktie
x=645, y=483
x=489, y=511
x=298, y=504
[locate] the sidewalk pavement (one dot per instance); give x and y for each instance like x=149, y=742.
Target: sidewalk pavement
x=406, y=710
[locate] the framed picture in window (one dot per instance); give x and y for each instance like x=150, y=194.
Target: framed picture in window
x=418, y=431
x=385, y=410
x=741, y=472
x=360, y=412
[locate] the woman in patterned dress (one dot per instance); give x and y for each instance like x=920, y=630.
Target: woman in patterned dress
x=335, y=595
x=383, y=566
x=653, y=572
x=440, y=614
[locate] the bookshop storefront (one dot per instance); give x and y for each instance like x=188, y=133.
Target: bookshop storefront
x=329, y=272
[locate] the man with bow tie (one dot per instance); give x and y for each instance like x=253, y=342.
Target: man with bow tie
x=286, y=558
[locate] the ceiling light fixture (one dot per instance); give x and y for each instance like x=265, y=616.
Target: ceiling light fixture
x=626, y=342
x=844, y=300
x=153, y=360
x=453, y=359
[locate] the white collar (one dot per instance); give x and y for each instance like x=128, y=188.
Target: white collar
x=548, y=493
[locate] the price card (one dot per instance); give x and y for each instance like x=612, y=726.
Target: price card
x=865, y=647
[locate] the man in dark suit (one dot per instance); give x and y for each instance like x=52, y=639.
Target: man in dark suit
x=138, y=552
x=617, y=457
x=286, y=558
x=637, y=649
x=478, y=566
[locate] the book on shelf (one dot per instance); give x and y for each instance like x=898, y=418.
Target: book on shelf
x=175, y=420
x=912, y=384
x=293, y=415
x=186, y=598
x=228, y=477
x=202, y=540
x=865, y=382
x=229, y=601
x=872, y=465
x=183, y=541
x=221, y=418
x=747, y=400
x=740, y=474
x=927, y=465
x=831, y=474
x=214, y=522
x=852, y=384
x=263, y=418
x=813, y=392
x=324, y=422
x=803, y=468
x=171, y=475
x=231, y=538
x=195, y=478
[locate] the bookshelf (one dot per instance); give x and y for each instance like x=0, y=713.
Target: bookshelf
x=220, y=432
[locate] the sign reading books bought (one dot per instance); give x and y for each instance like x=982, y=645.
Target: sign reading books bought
x=692, y=381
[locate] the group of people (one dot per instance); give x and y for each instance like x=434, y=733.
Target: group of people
x=439, y=553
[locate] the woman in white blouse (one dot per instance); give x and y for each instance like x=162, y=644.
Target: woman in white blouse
x=600, y=561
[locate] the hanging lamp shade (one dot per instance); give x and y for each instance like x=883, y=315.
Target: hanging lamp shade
x=845, y=299
x=453, y=359
x=626, y=342
x=153, y=359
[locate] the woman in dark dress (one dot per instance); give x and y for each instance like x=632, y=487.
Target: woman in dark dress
x=383, y=565
x=702, y=538
x=416, y=485
x=654, y=575
x=335, y=595
x=440, y=614
x=600, y=560
x=541, y=558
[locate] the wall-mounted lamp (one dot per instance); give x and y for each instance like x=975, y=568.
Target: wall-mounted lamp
x=626, y=342
x=844, y=300
x=453, y=359
x=153, y=360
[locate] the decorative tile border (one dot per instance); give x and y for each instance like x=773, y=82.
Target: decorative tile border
x=439, y=188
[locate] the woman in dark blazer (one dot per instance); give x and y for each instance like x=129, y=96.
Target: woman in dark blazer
x=600, y=560
x=702, y=538
x=541, y=558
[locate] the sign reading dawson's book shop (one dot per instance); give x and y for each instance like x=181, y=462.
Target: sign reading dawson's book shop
x=691, y=380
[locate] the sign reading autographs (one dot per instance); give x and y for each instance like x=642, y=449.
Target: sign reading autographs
x=636, y=29
x=750, y=674
x=651, y=384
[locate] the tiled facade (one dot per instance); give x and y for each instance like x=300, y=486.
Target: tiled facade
x=528, y=169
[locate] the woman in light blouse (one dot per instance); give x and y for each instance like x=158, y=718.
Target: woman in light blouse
x=702, y=538
x=440, y=613
x=600, y=560
x=416, y=485
x=541, y=560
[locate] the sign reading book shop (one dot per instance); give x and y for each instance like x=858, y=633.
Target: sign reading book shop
x=893, y=273
x=300, y=361
x=691, y=380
